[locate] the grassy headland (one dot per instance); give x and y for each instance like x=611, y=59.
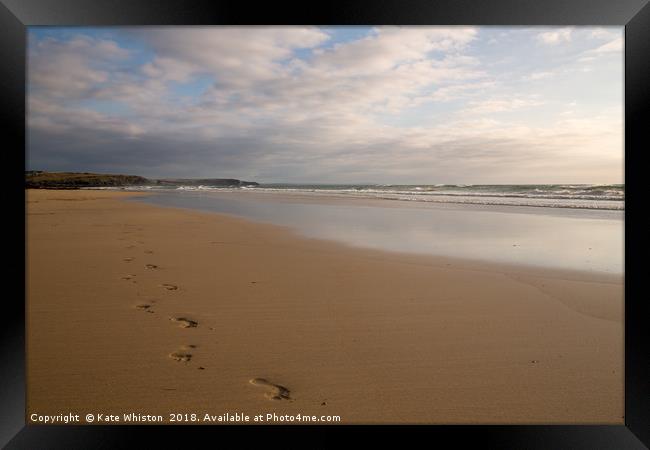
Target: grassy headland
x=36, y=179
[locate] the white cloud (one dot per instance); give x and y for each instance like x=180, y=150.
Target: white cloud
x=604, y=34
x=615, y=45
x=389, y=47
x=539, y=75
x=501, y=105
x=284, y=103
x=556, y=36
x=71, y=69
x=239, y=55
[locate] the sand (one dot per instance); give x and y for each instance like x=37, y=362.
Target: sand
x=133, y=308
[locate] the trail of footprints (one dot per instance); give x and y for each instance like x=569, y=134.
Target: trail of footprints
x=183, y=354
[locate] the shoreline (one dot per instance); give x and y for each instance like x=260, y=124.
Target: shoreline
x=333, y=197
x=424, y=259
x=353, y=328
x=382, y=233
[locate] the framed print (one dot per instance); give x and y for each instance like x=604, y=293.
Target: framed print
x=334, y=218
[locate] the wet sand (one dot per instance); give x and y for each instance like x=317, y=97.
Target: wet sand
x=137, y=308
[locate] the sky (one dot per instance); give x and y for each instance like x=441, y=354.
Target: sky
x=397, y=105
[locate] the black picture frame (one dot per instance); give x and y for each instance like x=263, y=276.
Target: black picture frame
x=17, y=15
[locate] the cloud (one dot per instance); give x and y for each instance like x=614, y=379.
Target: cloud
x=389, y=47
x=299, y=104
x=385, y=70
x=468, y=149
x=240, y=56
x=604, y=34
x=71, y=69
x=615, y=45
x=500, y=105
x=539, y=75
x=555, y=37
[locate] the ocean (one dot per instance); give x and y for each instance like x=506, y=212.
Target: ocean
x=581, y=196
x=577, y=227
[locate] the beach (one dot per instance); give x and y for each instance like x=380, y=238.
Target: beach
x=138, y=308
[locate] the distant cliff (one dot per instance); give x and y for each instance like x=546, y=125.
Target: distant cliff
x=35, y=179
x=75, y=180
x=221, y=182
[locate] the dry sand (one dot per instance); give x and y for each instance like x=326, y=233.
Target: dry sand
x=136, y=308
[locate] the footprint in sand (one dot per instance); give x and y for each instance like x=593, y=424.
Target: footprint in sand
x=275, y=391
x=128, y=277
x=149, y=252
x=181, y=355
x=144, y=307
x=170, y=287
x=151, y=266
x=185, y=322
x=128, y=259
